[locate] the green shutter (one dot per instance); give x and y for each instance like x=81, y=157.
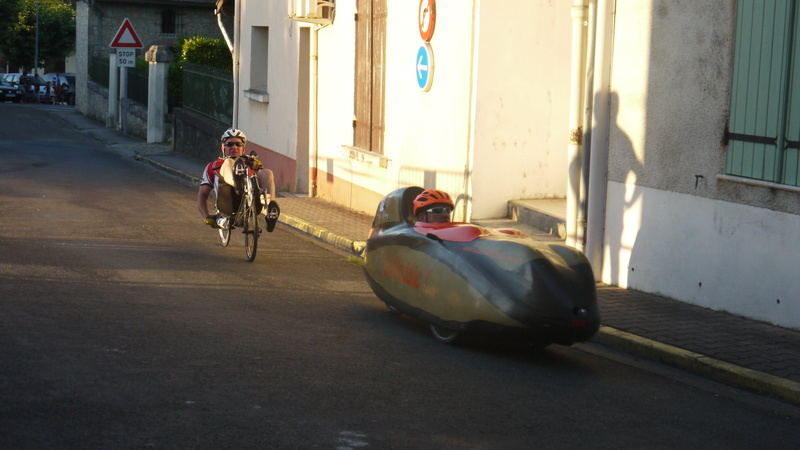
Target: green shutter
x=758, y=94
x=790, y=164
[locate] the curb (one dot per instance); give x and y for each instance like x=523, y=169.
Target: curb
x=167, y=169
x=323, y=234
x=699, y=364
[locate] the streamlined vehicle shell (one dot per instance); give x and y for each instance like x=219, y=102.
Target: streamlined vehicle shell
x=467, y=279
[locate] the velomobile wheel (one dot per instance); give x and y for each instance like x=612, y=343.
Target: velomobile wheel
x=392, y=309
x=443, y=335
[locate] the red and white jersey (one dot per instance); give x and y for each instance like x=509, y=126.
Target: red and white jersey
x=212, y=177
x=211, y=173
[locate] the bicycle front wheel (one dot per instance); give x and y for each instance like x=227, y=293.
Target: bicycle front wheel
x=225, y=236
x=250, y=227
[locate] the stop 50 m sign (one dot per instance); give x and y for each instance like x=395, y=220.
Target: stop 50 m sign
x=126, y=58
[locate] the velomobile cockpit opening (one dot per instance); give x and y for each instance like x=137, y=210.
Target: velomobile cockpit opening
x=397, y=208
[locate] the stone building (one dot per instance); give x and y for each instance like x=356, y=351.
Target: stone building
x=156, y=22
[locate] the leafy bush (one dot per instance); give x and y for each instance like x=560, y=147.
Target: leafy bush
x=199, y=50
x=206, y=52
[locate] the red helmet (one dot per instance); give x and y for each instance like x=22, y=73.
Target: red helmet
x=431, y=197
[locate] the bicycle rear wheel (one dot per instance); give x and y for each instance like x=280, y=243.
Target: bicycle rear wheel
x=250, y=228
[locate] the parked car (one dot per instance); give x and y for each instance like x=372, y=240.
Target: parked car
x=10, y=92
x=19, y=79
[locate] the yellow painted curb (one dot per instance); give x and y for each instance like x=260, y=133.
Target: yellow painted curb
x=320, y=233
x=697, y=363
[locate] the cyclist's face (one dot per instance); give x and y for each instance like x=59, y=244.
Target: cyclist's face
x=233, y=147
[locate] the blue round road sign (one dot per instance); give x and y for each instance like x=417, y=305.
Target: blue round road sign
x=424, y=66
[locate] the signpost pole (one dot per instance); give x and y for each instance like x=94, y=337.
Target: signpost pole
x=112, y=119
x=123, y=99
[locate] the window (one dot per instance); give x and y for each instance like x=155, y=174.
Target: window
x=259, y=64
x=369, y=83
x=764, y=127
x=168, y=22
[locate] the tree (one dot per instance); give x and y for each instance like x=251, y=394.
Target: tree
x=18, y=30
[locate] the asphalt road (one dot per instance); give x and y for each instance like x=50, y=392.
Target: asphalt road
x=124, y=324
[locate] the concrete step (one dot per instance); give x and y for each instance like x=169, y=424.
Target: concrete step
x=548, y=215
x=542, y=219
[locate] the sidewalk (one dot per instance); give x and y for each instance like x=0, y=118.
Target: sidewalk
x=716, y=345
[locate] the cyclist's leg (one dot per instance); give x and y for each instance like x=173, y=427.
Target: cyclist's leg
x=226, y=171
x=267, y=182
x=273, y=212
x=258, y=196
x=227, y=200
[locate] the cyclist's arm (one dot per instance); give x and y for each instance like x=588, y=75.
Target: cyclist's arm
x=202, y=199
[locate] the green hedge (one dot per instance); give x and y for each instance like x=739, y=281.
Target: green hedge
x=198, y=50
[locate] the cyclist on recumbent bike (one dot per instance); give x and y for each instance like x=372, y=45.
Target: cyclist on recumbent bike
x=219, y=177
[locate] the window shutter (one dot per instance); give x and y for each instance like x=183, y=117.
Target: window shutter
x=790, y=167
x=758, y=94
x=370, y=74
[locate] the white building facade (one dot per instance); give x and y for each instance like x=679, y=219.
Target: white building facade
x=337, y=101
x=498, y=100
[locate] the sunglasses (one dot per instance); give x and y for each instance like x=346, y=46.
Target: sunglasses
x=234, y=144
x=440, y=210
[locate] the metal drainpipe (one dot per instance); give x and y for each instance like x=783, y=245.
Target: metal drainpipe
x=575, y=121
x=218, y=13
x=470, y=154
x=314, y=96
x=237, y=34
x=598, y=167
x=588, y=102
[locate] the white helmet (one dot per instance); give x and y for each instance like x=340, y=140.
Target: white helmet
x=233, y=132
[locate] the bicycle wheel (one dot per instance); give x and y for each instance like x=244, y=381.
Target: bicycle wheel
x=225, y=236
x=250, y=227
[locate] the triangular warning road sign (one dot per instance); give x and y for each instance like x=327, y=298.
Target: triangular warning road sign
x=126, y=36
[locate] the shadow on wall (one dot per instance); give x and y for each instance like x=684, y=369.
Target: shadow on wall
x=621, y=204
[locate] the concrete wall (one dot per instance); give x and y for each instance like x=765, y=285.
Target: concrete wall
x=720, y=255
x=95, y=106
x=522, y=103
x=197, y=135
x=709, y=240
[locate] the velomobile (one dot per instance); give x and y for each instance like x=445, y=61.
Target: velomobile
x=462, y=278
